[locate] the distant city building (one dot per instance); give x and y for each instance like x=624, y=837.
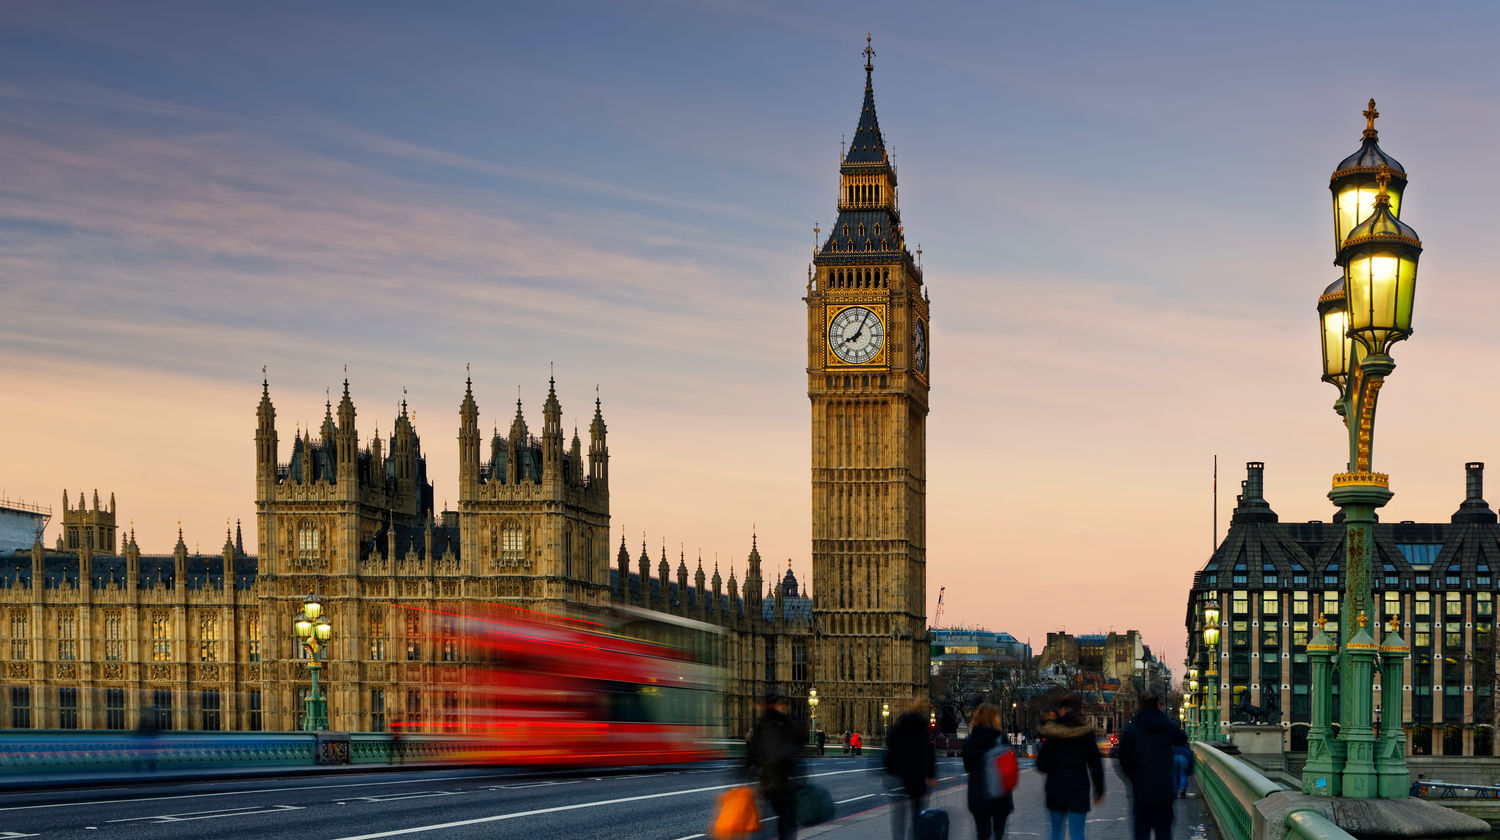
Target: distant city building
x=1108, y=670
x=1271, y=580
x=961, y=644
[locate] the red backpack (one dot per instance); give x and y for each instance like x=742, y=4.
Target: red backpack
x=1001, y=771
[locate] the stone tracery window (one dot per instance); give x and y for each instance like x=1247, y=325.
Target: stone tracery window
x=512, y=542
x=309, y=540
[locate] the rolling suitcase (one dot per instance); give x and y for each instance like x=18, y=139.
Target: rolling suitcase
x=932, y=824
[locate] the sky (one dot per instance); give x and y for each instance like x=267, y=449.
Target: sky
x=1122, y=209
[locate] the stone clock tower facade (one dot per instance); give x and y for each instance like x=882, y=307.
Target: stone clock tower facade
x=867, y=380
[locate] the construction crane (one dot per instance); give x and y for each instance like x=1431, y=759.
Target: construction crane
x=937, y=620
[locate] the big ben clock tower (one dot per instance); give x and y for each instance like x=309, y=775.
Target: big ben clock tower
x=867, y=379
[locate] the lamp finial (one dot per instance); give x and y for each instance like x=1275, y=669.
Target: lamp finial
x=1383, y=181
x=1371, y=115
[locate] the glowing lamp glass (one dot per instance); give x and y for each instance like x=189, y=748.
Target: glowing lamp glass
x=1381, y=286
x=312, y=607
x=323, y=630
x=1354, y=201
x=1211, y=614
x=1211, y=636
x=303, y=627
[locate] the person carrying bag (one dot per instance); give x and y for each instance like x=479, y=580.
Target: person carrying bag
x=993, y=773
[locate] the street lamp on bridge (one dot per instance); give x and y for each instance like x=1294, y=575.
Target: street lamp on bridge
x=1360, y=316
x=812, y=713
x=313, y=631
x=1211, y=638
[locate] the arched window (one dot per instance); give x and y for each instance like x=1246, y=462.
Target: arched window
x=309, y=539
x=512, y=542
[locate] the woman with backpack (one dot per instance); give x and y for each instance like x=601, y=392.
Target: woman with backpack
x=989, y=811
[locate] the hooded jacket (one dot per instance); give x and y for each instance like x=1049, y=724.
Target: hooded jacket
x=1146, y=756
x=1070, y=758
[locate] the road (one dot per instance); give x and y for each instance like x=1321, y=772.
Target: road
x=441, y=804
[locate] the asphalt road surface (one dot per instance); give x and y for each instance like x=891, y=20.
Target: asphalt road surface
x=435, y=804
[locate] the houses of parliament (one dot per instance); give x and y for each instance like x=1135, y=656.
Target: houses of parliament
x=97, y=634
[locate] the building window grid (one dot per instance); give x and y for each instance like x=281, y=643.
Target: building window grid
x=20, y=707
x=208, y=640
x=114, y=708
x=208, y=707
x=20, y=637
x=252, y=644
x=377, y=710
x=255, y=711
x=67, y=638
x=114, y=639
x=67, y=707
x=377, y=638
x=161, y=640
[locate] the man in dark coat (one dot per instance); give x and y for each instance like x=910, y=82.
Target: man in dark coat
x=773, y=758
x=909, y=757
x=1146, y=757
x=1070, y=758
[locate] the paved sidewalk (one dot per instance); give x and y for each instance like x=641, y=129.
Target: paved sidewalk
x=1109, y=821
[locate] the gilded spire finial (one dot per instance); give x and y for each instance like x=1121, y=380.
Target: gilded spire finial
x=1371, y=115
x=1363, y=620
x=1322, y=620
x=869, y=53
x=1383, y=181
x=1394, y=624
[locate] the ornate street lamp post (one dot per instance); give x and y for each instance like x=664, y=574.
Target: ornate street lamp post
x=1192, y=703
x=812, y=714
x=885, y=722
x=1360, y=316
x=1211, y=638
x=313, y=631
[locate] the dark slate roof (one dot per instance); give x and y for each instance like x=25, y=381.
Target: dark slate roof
x=204, y=571
x=414, y=538
x=792, y=609
x=1370, y=157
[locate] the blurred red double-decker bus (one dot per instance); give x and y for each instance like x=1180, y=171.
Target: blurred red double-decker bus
x=628, y=687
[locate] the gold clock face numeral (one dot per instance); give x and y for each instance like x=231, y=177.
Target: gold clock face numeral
x=856, y=335
x=919, y=346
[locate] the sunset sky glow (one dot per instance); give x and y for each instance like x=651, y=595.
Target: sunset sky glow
x=1123, y=213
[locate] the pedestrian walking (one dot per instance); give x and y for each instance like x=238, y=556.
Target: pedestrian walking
x=857, y=744
x=822, y=741
x=1182, y=759
x=989, y=812
x=1147, y=760
x=910, y=757
x=847, y=733
x=773, y=759
x=1070, y=758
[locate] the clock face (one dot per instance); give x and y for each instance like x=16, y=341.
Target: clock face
x=856, y=335
x=919, y=347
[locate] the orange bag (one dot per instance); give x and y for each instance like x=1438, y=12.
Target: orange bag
x=737, y=817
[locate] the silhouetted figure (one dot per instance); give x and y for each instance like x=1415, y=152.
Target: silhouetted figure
x=773, y=758
x=1147, y=759
x=1070, y=758
x=910, y=757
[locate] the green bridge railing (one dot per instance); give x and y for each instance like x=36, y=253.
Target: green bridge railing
x=1232, y=787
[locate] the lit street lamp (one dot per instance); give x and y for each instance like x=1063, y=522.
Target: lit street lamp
x=1192, y=702
x=313, y=630
x=885, y=721
x=1360, y=316
x=812, y=713
x=1211, y=638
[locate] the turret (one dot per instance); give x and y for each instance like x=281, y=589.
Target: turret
x=519, y=439
x=132, y=567
x=598, y=451
x=226, y=581
x=468, y=442
x=752, y=580
x=622, y=566
x=682, y=590
x=552, y=435
x=643, y=596
x=179, y=562
x=663, y=582
x=700, y=595
x=348, y=439
x=404, y=449
x=305, y=447
x=239, y=540
x=265, y=435
x=575, y=460
x=329, y=433
x=718, y=583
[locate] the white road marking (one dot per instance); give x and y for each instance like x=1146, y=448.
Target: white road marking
x=536, y=785
x=688, y=837
x=574, y=807
x=415, y=794
x=245, y=811
x=8, y=835
x=855, y=799
x=425, y=780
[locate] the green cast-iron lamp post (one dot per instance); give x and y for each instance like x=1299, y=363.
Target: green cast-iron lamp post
x=1192, y=703
x=313, y=631
x=1360, y=316
x=812, y=714
x=885, y=721
x=1211, y=638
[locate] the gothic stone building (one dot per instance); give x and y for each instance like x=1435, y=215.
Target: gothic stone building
x=100, y=635
x=1272, y=579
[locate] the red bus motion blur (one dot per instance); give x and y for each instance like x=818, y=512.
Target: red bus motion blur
x=549, y=690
